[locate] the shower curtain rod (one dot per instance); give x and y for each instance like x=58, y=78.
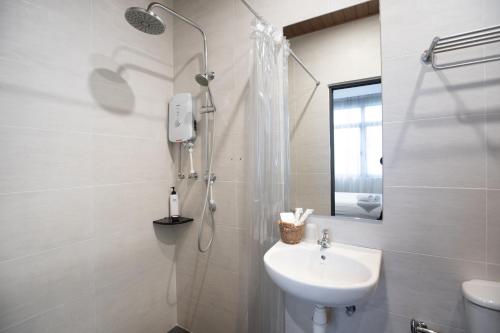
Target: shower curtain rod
x=294, y=56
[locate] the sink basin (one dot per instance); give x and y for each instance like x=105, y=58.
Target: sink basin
x=341, y=275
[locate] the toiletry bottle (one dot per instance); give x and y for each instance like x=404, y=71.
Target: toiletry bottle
x=174, y=205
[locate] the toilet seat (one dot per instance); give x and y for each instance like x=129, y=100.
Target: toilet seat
x=483, y=293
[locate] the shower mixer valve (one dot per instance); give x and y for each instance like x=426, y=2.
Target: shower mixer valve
x=207, y=109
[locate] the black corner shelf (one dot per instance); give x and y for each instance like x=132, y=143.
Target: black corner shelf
x=173, y=221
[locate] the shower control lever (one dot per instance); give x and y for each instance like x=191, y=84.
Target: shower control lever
x=420, y=327
x=207, y=109
x=211, y=179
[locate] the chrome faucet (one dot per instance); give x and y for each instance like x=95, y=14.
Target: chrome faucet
x=325, y=240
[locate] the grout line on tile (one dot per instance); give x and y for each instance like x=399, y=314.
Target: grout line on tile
x=471, y=115
x=90, y=133
x=47, y=65
x=47, y=250
x=486, y=204
x=38, y=314
x=435, y=187
x=485, y=164
x=94, y=275
x=435, y=256
x=83, y=187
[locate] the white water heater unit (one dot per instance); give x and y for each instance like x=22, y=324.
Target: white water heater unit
x=181, y=118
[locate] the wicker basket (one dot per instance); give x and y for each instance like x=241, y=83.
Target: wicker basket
x=290, y=233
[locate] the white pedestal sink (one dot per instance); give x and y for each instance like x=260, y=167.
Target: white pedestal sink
x=338, y=276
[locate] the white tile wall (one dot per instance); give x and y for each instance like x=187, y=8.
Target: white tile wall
x=36, y=221
x=492, y=243
x=412, y=94
x=413, y=152
x=441, y=156
x=85, y=168
x=74, y=316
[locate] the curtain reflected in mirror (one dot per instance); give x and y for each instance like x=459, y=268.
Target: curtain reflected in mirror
x=356, y=149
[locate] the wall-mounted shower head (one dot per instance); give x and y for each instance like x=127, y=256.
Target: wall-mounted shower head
x=204, y=79
x=144, y=20
x=147, y=21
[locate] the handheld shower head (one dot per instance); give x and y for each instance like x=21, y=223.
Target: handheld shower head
x=144, y=20
x=204, y=79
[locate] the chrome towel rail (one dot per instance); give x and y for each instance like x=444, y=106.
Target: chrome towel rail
x=461, y=41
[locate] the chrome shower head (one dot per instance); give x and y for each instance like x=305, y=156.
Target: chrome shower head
x=204, y=79
x=144, y=20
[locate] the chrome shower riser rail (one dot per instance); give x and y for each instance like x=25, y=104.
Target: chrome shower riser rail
x=294, y=56
x=462, y=41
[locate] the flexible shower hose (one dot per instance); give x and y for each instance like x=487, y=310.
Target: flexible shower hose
x=209, y=185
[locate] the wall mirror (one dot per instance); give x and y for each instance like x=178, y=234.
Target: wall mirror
x=336, y=128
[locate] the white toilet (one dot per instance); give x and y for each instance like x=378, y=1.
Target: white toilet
x=482, y=306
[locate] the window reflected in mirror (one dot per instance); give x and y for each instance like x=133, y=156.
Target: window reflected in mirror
x=356, y=149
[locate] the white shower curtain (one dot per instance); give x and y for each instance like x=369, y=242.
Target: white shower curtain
x=269, y=169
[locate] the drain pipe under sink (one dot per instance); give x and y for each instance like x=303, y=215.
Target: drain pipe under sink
x=319, y=319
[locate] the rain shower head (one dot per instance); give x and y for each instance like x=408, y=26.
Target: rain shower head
x=147, y=21
x=204, y=79
x=144, y=20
